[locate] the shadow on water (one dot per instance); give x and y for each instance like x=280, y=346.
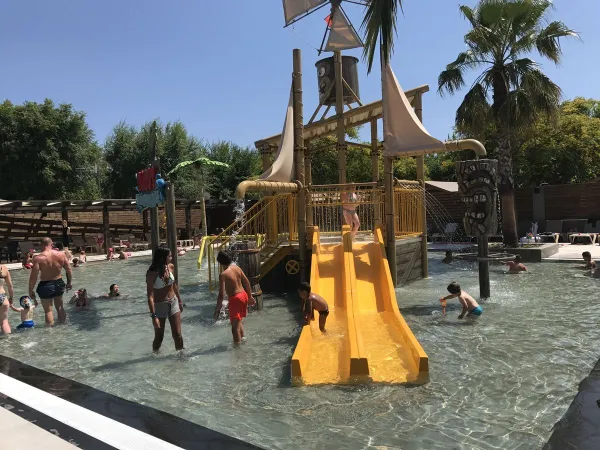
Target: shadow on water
x=86, y=319
x=121, y=364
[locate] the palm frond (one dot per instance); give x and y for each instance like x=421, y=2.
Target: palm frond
x=202, y=162
x=548, y=40
x=474, y=109
x=536, y=95
x=470, y=14
x=515, y=70
x=452, y=79
x=379, y=25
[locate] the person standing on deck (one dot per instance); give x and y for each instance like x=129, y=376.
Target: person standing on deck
x=48, y=265
x=349, y=205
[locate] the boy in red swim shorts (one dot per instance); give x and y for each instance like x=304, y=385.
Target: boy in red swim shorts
x=233, y=281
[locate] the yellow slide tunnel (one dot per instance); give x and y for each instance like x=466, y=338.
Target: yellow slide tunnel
x=367, y=339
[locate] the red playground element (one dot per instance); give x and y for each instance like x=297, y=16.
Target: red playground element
x=146, y=179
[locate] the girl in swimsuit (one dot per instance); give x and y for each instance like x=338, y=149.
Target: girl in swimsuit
x=164, y=300
x=5, y=302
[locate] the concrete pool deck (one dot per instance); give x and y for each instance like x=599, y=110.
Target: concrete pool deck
x=570, y=253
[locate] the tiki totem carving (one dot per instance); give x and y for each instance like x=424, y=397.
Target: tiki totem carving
x=478, y=187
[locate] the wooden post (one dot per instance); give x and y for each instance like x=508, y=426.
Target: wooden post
x=308, y=180
x=145, y=224
x=265, y=152
x=388, y=175
x=339, y=110
x=418, y=105
x=375, y=169
x=299, y=159
x=188, y=221
x=172, y=226
x=154, y=238
x=106, y=227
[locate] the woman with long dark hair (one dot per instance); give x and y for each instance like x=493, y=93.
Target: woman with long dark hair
x=163, y=298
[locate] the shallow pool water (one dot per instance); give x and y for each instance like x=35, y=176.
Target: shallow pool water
x=498, y=384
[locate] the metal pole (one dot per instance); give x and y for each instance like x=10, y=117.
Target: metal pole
x=299, y=159
x=418, y=105
x=203, y=203
x=339, y=110
x=154, y=239
x=172, y=226
x=484, y=267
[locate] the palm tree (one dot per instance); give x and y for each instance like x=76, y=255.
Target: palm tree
x=511, y=91
x=200, y=164
x=379, y=25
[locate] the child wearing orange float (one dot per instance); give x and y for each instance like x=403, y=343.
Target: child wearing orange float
x=234, y=282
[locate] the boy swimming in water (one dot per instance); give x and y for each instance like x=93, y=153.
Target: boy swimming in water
x=233, y=281
x=589, y=262
x=515, y=266
x=313, y=302
x=470, y=307
x=26, y=311
x=448, y=259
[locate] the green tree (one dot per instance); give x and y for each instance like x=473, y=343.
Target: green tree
x=126, y=153
x=511, y=89
x=201, y=166
x=46, y=151
x=242, y=163
x=565, y=150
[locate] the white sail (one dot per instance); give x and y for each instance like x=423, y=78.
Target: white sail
x=283, y=167
x=292, y=9
x=403, y=132
x=342, y=35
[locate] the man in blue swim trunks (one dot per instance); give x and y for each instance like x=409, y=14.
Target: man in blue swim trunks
x=470, y=307
x=49, y=264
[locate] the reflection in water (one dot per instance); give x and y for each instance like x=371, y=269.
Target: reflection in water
x=500, y=383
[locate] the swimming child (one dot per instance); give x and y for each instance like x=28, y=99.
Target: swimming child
x=113, y=290
x=589, y=262
x=234, y=282
x=76, y=262
x=448, y=259
x=515, y=266
x=82, y=257
x=313, y=302
x=470, y=307
x=26, y=311
x=123, y=255
x=81, y=299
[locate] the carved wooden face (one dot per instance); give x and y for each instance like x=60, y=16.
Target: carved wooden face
x=477, y=185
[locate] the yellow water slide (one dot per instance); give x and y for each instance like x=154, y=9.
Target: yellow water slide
x=367, y=338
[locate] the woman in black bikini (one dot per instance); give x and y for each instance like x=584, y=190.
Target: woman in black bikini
x=163, y=298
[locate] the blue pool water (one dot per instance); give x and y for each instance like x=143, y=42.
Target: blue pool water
x=501, y=383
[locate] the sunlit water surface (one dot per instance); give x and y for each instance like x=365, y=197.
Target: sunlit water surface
x=499, y=384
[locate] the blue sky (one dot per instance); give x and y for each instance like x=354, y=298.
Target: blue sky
x=223, y=67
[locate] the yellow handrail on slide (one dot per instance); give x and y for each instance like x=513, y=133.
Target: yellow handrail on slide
x=368, y=339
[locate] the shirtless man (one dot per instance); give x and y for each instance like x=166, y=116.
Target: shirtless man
x=470, y=307
x=313, y=302
x=233, y=281
x=516, y=266
x=49, y=264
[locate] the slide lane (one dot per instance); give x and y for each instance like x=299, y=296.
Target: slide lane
x=393, y=352
x=367, y=338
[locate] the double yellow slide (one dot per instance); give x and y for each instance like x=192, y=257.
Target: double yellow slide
x=366, y=339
